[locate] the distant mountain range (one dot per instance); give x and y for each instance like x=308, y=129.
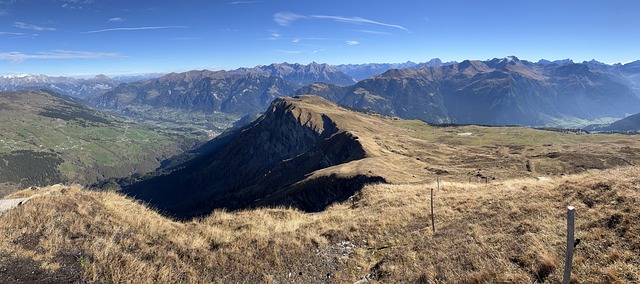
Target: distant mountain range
x=494, y=92
x=301, y=75
x=205, y=91
x=500, y=91
x=239, y=92
x=74, y=87
x=363, y=71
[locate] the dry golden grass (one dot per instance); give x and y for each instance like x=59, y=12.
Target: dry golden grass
x=511, y=231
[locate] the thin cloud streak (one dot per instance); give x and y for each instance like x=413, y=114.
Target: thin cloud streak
x=135, y=29
x=23, y=25
x=18, y=57
x=9, y=33
x=243, y=2
x=117, y=19
x=352, y=42
x=372, y=32
x=357, y=20
x=286, y=18
x=288, y=51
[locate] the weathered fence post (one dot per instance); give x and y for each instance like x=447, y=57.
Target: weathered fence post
x=438, y=183
x=570, y=240
x=433, y=225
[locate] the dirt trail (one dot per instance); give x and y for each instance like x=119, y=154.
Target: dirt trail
x=7, y=204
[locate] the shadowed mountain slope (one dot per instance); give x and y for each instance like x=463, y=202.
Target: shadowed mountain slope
x=629, y=124
x=265, y=163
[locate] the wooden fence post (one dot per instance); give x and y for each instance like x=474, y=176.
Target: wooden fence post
x=570, y=240
x=433, y=225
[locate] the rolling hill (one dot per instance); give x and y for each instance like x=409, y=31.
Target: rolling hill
x=48, y=138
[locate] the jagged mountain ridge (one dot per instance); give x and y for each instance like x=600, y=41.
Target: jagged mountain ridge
x=206, y=91
x=494, y=92
x=363, y=71
x=65, y=85
x=300, y=74
x=75, y=87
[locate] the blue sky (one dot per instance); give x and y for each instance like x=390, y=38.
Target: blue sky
x=86, y=37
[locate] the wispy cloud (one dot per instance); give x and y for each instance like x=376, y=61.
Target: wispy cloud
x=135, y=29
x=17, y=57
x=352, y=42
x=286, y=18
x=9, y=33
x=243, y=2
x=275, y=36
x=372, y=32
x=75, y=4
x=288, y=51
x=3, y=12
x=23, y=25
x=356, y=20
x=117, y=19
x=228, y=30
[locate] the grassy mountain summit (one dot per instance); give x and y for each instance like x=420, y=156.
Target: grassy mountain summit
x=307, y=153
x=48, y=138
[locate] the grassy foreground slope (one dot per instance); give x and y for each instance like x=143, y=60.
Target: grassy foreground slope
x=509, y=231
x=47, y=138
